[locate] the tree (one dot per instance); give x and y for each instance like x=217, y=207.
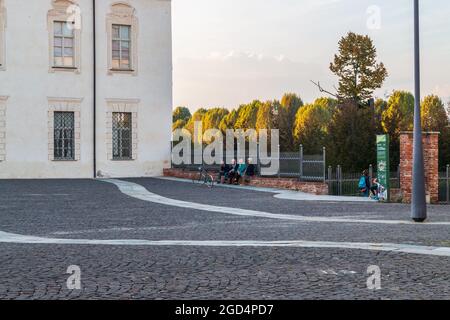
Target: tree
x=398, y=117
x=228, y=121
x=351, y=137
x=290, y=103
x=265, y=119
x=435, y=118
x=213, y=118
x=247, y=115
x=357, y=68
x=197, y=116
x=380, y=107
x=179, y=124
x=181, y=113
x=311, y=125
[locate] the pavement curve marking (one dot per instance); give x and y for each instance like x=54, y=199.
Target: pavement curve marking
x=6, y=237
x=139, y=192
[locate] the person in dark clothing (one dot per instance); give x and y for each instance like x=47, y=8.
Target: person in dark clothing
x=234, y=172
x=251, y=170
x=223, y=173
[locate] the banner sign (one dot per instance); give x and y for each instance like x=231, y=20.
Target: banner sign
x=383, y=172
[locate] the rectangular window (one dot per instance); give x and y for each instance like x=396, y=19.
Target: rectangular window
x=122, y=138
x=64, y=135
x=63, y=45
x=121, y=47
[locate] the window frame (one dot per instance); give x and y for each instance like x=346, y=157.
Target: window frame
x=62, y=132
x=63, y=37
x=118, y=149
x=123, y=14
x=121, y=40
x=59, y=13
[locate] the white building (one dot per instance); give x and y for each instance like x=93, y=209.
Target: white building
x=69, y=108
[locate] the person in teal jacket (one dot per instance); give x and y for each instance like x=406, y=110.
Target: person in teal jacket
x=241, y=170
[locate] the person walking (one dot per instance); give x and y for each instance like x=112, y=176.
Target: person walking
x=364, y=184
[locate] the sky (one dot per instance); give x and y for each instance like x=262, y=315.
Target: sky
x=230, y=52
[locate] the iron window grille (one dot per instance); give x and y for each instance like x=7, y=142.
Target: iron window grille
x=64, y=136
x=122, y=138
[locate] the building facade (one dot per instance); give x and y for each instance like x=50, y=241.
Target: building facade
x=85, y=88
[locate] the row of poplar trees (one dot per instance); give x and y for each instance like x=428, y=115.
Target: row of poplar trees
x=346, y=123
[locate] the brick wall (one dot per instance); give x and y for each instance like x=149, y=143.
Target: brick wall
x=318, y=188
x=431, y=160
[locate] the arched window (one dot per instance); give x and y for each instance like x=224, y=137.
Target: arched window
x=122, y=29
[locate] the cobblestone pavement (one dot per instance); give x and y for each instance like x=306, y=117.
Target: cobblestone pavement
x=87, y=209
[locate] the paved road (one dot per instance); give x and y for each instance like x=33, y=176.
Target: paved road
x=87, y=209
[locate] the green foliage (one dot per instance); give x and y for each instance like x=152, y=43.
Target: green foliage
x=213, y=118
x=247, y=115
x=435, y=118
x=265, y=119
x=179, y=124
x=197, y=116
x=351, y=137
x=311, y=125
x=357, y=68
x=228, y=121
x=398, y=117
x=290, y=104
x=181, y=113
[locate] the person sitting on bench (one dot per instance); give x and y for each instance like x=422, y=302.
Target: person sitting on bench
x=223, y=173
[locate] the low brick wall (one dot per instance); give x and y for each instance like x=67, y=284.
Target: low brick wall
x=317, y=188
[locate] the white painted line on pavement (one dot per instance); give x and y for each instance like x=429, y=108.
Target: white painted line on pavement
x=139, y=192
x=389, y=247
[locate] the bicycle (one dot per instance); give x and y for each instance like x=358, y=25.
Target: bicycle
x=204, y=177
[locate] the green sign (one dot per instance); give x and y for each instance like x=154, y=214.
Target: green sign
x=383, y=172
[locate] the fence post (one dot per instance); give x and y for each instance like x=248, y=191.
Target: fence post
x=447, y=180
x=324, y=164
x=171, y=154
x=258, y=163
x=279, y=162
x=339, y=178
x=300, y=173
x=330, y=181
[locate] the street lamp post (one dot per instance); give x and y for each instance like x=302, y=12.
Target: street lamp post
x=418, y=205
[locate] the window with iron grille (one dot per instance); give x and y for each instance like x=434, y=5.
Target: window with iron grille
x=64, y=135
x=121, y=47
x=122, y=138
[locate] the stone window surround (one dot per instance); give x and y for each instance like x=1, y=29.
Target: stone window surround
x=2, y=36
x=122, y=105
x=122, y=13
x=64, y=105
x=3, y=100
x=59, y=13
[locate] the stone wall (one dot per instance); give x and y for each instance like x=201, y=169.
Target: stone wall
x=317, y=188
x=431, y=160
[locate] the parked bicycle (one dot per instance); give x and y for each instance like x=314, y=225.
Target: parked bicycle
x=204, y=177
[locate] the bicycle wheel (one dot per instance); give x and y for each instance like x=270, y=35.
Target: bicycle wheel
x=209, y=180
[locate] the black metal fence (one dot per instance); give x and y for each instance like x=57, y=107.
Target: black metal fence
x=342, y=183
x=444, y=186
x=291, y=165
